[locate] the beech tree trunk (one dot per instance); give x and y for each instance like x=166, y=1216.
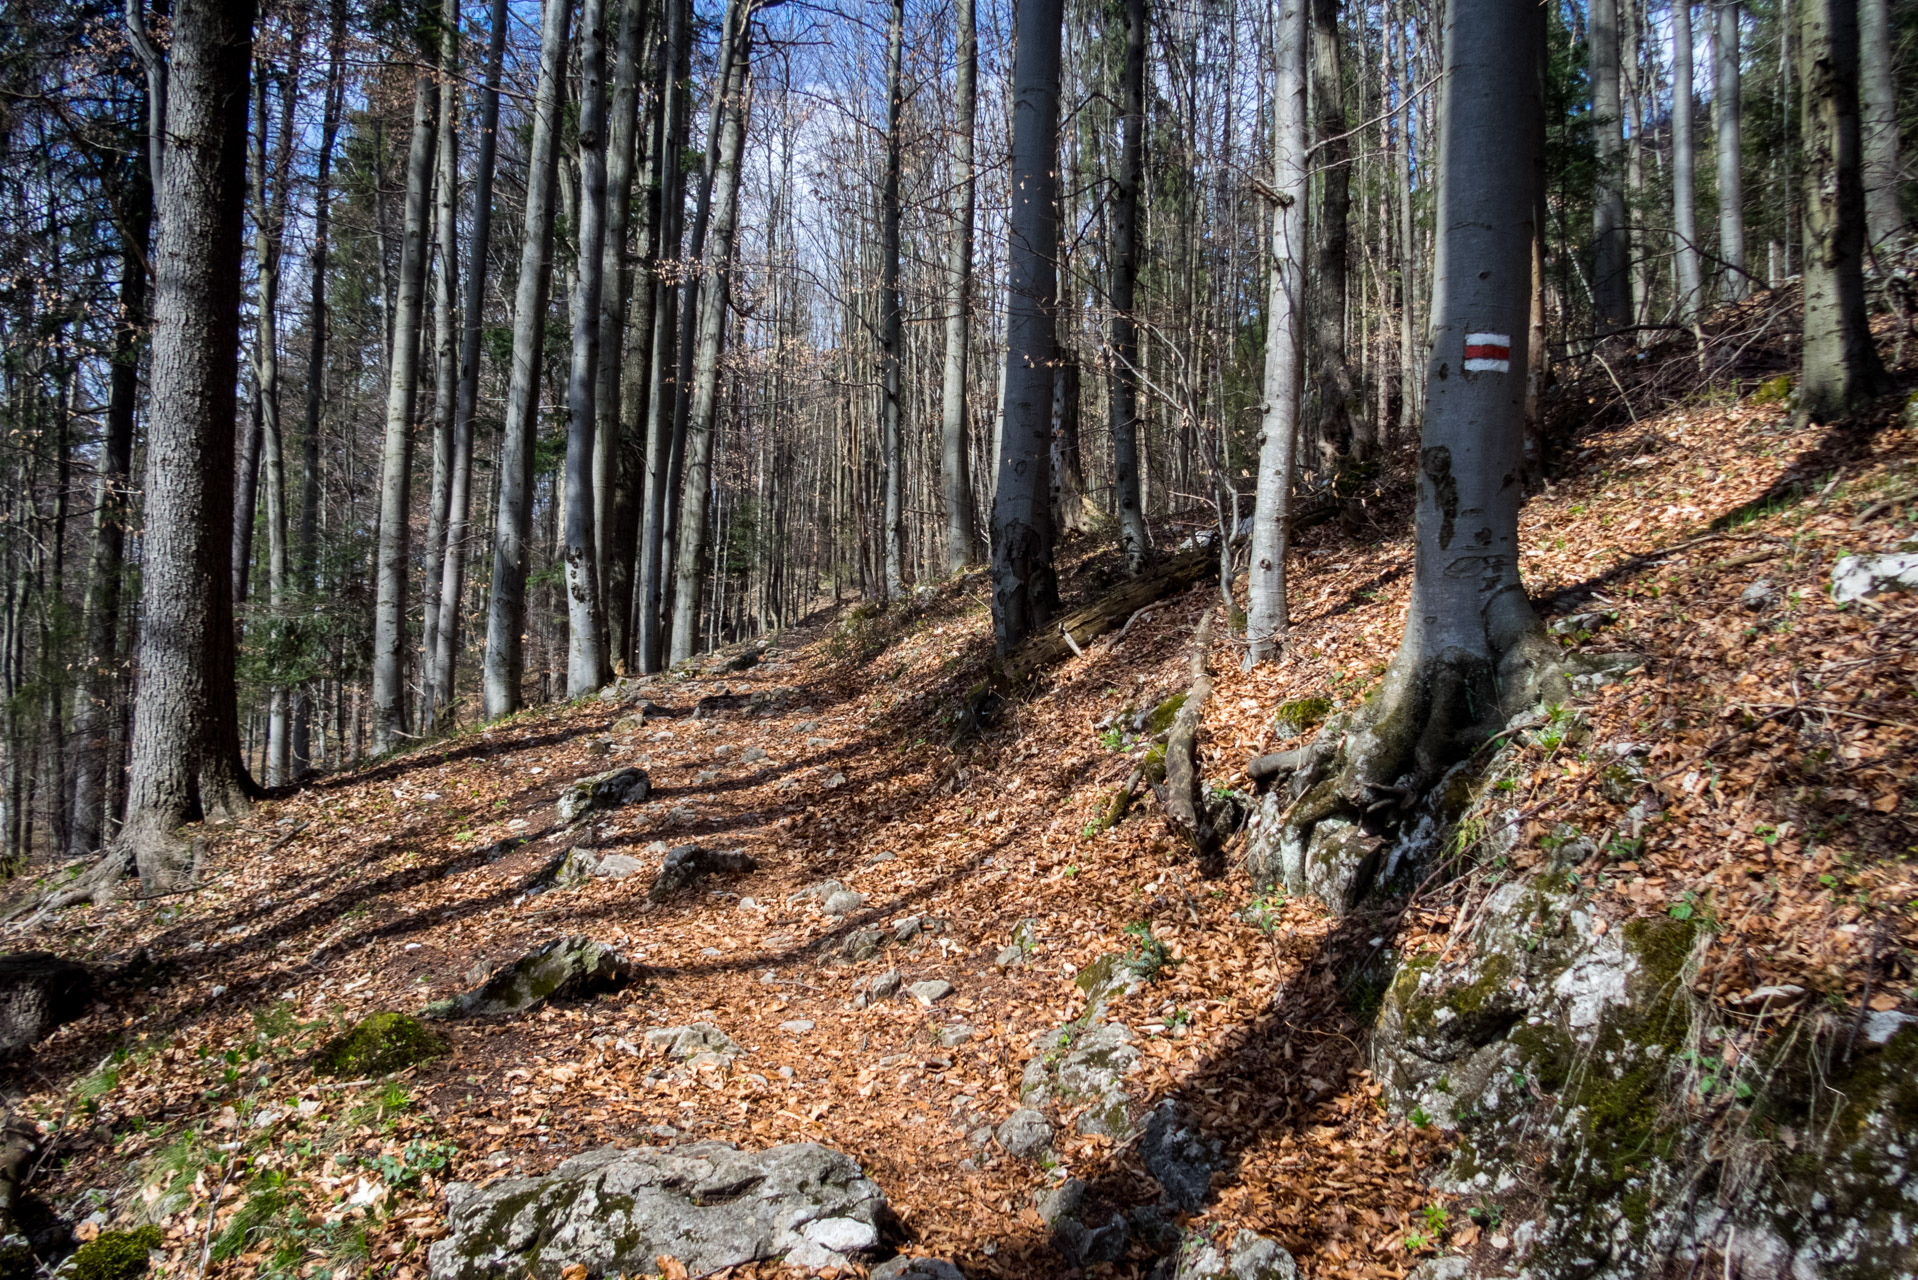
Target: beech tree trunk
x=1884, y=215
x=1025, y=586
x=586, y=631
x=1266, y=619
x=613, y=478
x=1725, y=119
x=459, y=498
x=962, y=519
x=396, y=456
x=513, y=524
x=1123, y=392
x=891, y=446
x=186, y=744
x=1841, y=369
x=714, y=271
x=1684, y=167
x=1611, y=242
x=1336, y=419
x=446, y=343
x=316, y=323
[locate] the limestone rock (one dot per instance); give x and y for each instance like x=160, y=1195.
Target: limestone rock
x=564, y=968
x=687, y=865
x=931, y=992
x=1026, y=1133
x=1087, y=1067
x=39, y=991
x=708, y=1204
x=752, y=755
x=862, y=944
x=700, y=1042
x=821, y=891
x=1859, y=577
x=1064, y=1209
x=583, y=863
x=1179, y=1156
x=886, y=985
x=1247, y=1257
x=600, y=791
x=917, y=1269
x=843, y=903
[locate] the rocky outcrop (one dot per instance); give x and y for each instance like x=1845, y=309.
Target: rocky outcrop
x=707, y=1205
x=1247, y=1256
x=39, y=992
x=689, y=864
x=563, y=969
x=601, y=791
x=700, y=1044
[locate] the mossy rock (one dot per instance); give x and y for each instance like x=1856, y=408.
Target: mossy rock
x=378, y=1044
x=1300, y=715
x=1773, y=390
x=114, y=1255
x=1164, y=714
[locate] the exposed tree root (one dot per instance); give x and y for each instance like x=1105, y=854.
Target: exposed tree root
x=1181, y=794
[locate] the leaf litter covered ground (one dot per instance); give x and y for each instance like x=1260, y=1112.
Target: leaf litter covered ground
x=1778, y=732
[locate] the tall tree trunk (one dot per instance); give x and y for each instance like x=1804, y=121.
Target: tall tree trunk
x=1338, y=426
x=1611, y=242
x=714, y=270
x=317, y=320
x=612, y=482
x=266, y=255
x=892, y=445
x=1266, y=619
x=1841, y=368
x=445, y=352
x=396, y=455
x=586, y=631
x=1025, y=586
x=94, y=706
x=1473, y=651
x=513, y=525
x=1884, y=215
x=1123, y=392
x=459, y=498
x=186, y=740
x=1725, y=118
x=1411, y=383
x=246, y=492
x=1684, y=167
x=153, y=62
x=955, y=465
x=661, y=390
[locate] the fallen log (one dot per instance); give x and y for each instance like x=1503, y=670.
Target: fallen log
x=1186, y=814
x=1087, y=623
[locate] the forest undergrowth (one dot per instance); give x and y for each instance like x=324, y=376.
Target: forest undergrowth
x=1780, y=730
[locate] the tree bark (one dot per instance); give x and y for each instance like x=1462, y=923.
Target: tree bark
x=1684, y=168
x=1025, y=586
x=1338, y=425
x=955, y=468
x=1123, y=391
x=714, y=271
x=185, y=758
x=513, y=524
x=396, y=455
x=317, y=320
x=1725, y=119
x=446, y=343
x=1611, y=240
x=1884, y=215
x=612, y=443
x=459, y=498
x=267, y=222
x=891, y=445
x=586, y=630
x=1841, y=369
x=1399, y=48
x=1266, y=619
x=1473, y=650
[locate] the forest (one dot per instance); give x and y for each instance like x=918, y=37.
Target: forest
x=1278, y=489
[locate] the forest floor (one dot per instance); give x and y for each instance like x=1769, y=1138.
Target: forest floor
x=1782, y=731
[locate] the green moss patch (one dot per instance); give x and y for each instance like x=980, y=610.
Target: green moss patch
x=1164, y=714
x=1299, y=715
x=378, y=1044
x=115, y=1255
x=1773, y=390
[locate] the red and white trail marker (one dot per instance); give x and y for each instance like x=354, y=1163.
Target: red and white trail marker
x=1488, y=352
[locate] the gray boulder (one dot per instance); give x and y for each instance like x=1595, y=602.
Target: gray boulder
x=698, y=1043
x=845, y=902
x=1248, y=1257
x=564, y=968
x=39, y=992
x=917, y=1269
x=1026, y=1133
x=1089, y=1067
x=583, y=863
x=1064, y=1209
x=1859, y=577
x=708, y=1204
x=689, y=864
x=601, y=791
x=1179, y=1156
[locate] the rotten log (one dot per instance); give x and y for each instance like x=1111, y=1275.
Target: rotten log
x=1185, y=809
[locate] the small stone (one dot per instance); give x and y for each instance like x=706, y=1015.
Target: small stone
x=835, y=782
x=1025, y=1133
x=798, y=1026
x=823, y=889
x=862, y=945
x=1758, y=594
x=908, y=929
x=689, y=864
x=930, y=992
x=917, y=1269
x=819, y=742
x=617, y=866
x=752, y=755
x=700, y=1039
x=1178, y=1156
x=563, y=968
x=1009, y=957
x=886, y=985
x=723, y=750
x=955, y=1035
x=609, y=790
x=843, y=903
